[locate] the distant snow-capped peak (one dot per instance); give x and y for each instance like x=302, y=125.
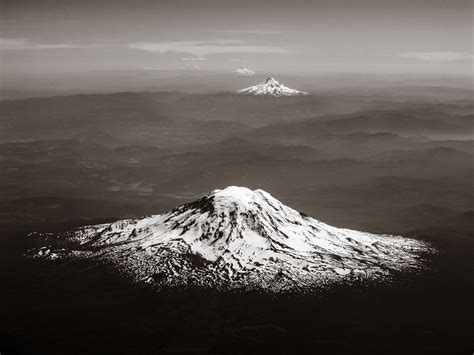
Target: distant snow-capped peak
x=237, y=238
x=271, y=87
x=242, y=71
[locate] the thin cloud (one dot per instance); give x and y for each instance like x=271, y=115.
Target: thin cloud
x=259, y=32
x=194, y=59
x=437, y=56
x=152, y=68
x=202, y=48
x=23, y=43
x=237, y=60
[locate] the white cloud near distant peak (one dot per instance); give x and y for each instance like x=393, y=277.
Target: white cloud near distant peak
x=437, y=56
x=190, y=67
x=202, y=48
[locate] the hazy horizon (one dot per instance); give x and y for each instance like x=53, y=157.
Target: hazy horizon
x=293, y=38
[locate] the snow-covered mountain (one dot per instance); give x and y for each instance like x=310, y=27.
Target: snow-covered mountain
x=237, y=238
x=242, y=71
x=271, y=87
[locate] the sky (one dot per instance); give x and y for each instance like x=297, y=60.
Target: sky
x=297, y=36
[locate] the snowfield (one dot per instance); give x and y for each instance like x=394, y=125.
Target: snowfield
x=237, y=238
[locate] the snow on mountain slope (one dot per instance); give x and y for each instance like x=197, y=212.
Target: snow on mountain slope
x=242, y=71
x=239, y=238
x=271, y=87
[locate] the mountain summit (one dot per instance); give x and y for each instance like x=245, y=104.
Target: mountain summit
x=238, y=238
x=271, y=87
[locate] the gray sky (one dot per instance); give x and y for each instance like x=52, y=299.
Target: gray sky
x=288, y=36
